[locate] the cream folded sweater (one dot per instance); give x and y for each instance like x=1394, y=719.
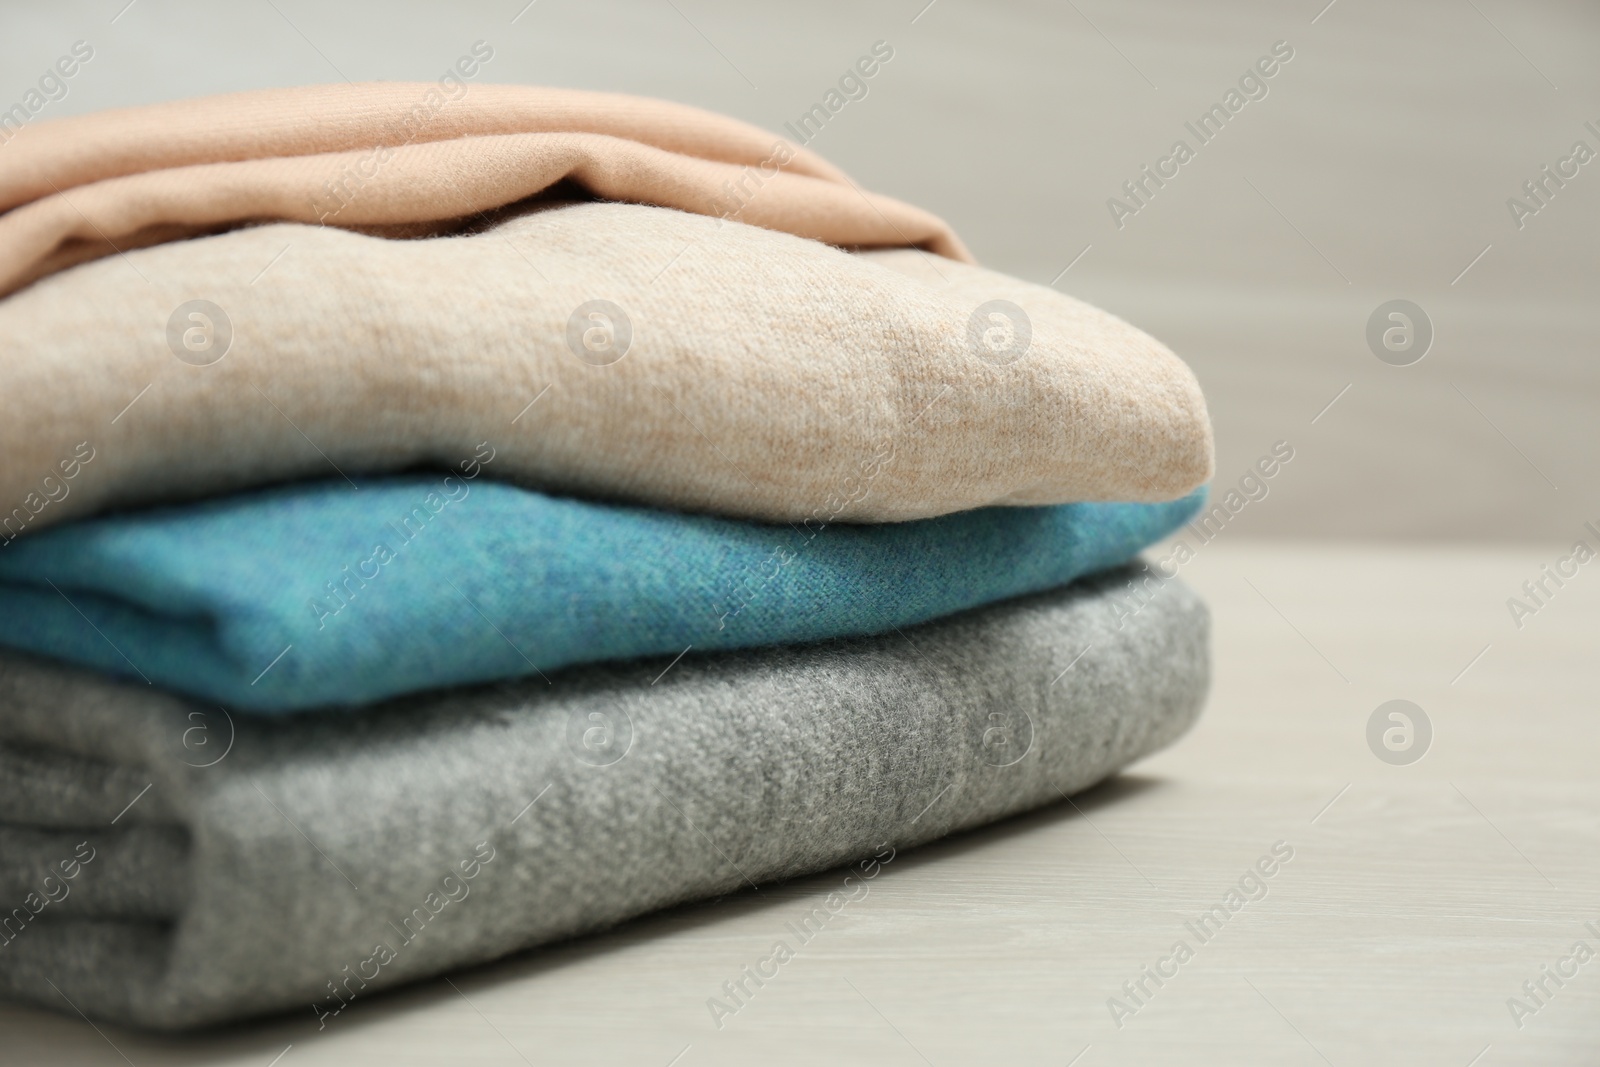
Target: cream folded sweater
x=614, y=350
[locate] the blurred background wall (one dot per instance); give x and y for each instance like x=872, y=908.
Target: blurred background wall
x=1375, y=164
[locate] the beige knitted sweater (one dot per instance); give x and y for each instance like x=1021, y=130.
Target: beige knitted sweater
x=732, y=369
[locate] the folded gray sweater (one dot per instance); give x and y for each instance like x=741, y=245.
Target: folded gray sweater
x=170, y=865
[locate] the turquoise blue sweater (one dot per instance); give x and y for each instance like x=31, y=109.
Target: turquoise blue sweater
x=320, y=594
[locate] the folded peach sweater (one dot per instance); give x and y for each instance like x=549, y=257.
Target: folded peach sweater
x=631, y=352
x=412, y=159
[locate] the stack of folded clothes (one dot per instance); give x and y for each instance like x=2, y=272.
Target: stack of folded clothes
x=439, y=522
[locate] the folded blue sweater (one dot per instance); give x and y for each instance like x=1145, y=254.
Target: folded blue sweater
x=321, y=593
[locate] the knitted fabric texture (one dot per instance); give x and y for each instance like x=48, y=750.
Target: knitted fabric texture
x=322, y=593
x=608, y=350
x=408, y=159
x=208, y=900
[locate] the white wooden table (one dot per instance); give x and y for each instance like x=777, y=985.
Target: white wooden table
x=1419, y=898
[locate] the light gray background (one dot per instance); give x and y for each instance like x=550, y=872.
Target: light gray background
x=1378, y=166
x=1423, y=896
